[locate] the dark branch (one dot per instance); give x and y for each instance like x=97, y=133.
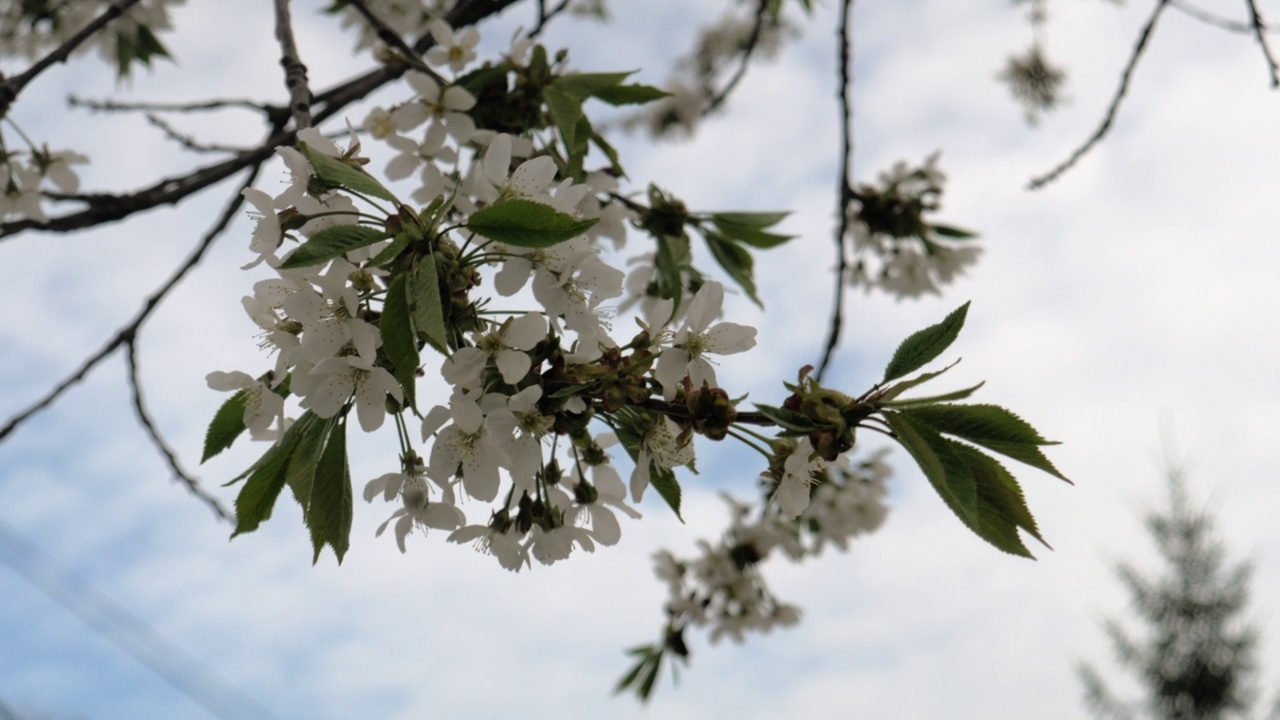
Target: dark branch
x=1259, y=31
x=127, y=333
x=545, y=16
x=1216, y=20
x=11, y=87
x=295, y=72
x=135, y=385
x=1109, y=118
x=188, y=141
x=844, y=187
x=753, y=41
x=270, y=111
x=389, y=37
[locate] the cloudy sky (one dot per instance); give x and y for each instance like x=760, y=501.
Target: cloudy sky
x=1125, y=310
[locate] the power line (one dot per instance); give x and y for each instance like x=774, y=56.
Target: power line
x=126, y=630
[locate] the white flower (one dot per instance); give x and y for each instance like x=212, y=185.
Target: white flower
x=490, y=541
x=471, y=447
x=792, y=494
x=449, y=105
x=695, y=339
x=341, y=377
x=262, y=406
x=529, y=181
x=266, y=230
x=454, y=50
x=660, y=449
x=56, y=168
x=508, y=348
x=418, y=510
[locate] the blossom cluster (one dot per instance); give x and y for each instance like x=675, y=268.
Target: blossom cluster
x=896, y=249
x=25, y=172
x=30, y=29
x=723, y=588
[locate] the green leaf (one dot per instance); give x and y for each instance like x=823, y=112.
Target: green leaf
x=933, y=399
x=525, y=223
x=336, y=172
x=226, y=426
x=952, y=232
x=924, y=345
x=329, y=515
x=301, y=473
x=749, y=228
x=584, y=85
x=737, y=262
x=398, y=339
x=609, y=152
x=330, y=243
x=392, y=251
x=1001, y=508
x=425, y=304
x=788, y=419
x=892, y=393
x=267, y=477
x=631, y=94
x=992, y=427
x=566, y=111
x=664, y=481
x=943, y=468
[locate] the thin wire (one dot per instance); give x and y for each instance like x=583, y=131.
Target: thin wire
x=124, y=629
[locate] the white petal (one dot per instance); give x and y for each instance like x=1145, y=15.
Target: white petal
x=670, y=371
x=227, y=381
x=513, y=365
x=704, y=307
x=604, y=526
x=497, y=159
x=526, y=331
x=727, y=338
x=435, y=419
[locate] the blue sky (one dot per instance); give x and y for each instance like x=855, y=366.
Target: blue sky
x=1134, y=294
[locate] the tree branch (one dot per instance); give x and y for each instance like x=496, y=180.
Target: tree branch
x=11, y=87
x=188, y=141
x=1105, y=126
x=148, y=424
x=295, y=73
x=844, y=188
x=753, y=40
x=1259, y=31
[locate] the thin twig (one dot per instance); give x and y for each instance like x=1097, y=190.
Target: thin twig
x=127, y=333
x=153, y=107
x=11, y=87
x=295, y=73
x=845, y=184
x=144, y=417
x=1139, y=47
x=109, y=207
x=1259, y=31
x=188, y=141
x=545, y=16
x=1216, y=20
x=753, y=40
x=388, y=36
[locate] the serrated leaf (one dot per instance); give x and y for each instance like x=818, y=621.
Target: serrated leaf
x=924, y=345
x=756, y=220
x=398, y=339
x=267, y=477
x=950, y=477
x=748, y=234
x=566, y=111
x=992, y=427
x=609, y=152
x=584, y=85
x=226, y=426
x=1001, y=509
x=301, y=472
x=952, y=232
x=329, y=514
x=330, y=243
x=788, y=419
x=668, y=487
x=525, y=223
x=426, y=306
x=735, y=261
x=635, y=94
x=392, y=250
x=934, y=399
x=335, y=172
x=892, y=393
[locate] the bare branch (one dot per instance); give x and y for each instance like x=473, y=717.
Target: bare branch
x=11, y=87
x=844, y=188
x=545, y=16
x=753, y=41
x=393, y=40
x=106, y=207
x=135, y=385
x=295, y=73
x=1216, y=20
x=188, y=141
x=127, y=333
x=270, y=111
x=1139, y=47
x=1259, y=31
